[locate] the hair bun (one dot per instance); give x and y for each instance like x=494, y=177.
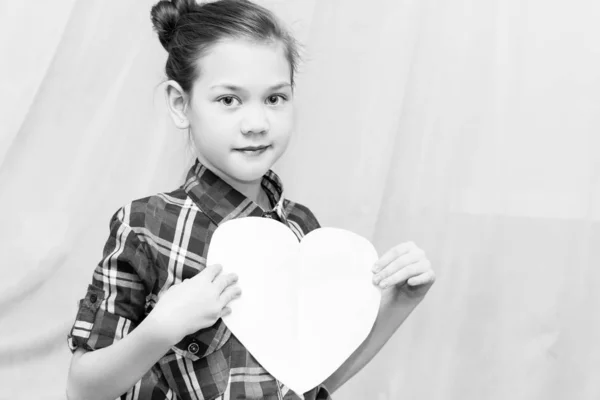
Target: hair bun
x=165, y=15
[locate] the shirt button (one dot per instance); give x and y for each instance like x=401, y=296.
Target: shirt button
x=193, y=348
x=93, y=298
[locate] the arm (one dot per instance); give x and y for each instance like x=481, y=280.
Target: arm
x=109, y=372
x=405, y=275
x=107, y=318
x=185, y=308
x=403, y=289
x=394, y=309
x=110, y=320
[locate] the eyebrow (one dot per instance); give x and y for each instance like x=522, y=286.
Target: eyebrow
x=235, y=88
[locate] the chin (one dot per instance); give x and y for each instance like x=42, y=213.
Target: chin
x=250, y=169
x=249, y=173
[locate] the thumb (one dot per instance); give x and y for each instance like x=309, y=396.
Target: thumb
x=210, y=272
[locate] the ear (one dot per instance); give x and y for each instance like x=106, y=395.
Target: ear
x=177, y=103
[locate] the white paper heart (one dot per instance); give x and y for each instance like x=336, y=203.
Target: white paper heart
x=305, y=307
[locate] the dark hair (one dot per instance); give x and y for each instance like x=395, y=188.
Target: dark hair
x=187, y=29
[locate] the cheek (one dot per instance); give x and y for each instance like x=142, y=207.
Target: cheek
x=214, y=128
x=215, y=119
x=284, y=122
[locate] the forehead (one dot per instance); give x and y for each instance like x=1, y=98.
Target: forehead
x=244, y=63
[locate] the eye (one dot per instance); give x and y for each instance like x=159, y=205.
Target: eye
x=228, y=101
x=276, y=99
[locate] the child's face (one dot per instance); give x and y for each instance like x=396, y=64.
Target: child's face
x=242, y=98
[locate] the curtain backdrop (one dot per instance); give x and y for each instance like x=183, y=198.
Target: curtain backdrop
x=470, y=127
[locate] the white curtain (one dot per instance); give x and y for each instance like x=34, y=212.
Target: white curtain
x=470, y=127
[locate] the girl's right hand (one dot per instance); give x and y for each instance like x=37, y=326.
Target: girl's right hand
x=194, y=304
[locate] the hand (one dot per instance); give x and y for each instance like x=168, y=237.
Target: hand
x=405, y=267
x=195, y=303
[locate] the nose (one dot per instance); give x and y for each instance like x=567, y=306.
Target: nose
x=255, y=120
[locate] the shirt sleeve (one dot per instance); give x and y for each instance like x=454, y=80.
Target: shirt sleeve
x=115, y=301
x=322, y=393
x=318, y=393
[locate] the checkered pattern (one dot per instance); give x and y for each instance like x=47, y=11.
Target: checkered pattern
x=157, y=242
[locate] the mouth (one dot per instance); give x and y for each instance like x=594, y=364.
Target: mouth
x=252, y=150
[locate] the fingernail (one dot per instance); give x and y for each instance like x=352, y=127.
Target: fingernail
x=375, y=268
x=376, y=279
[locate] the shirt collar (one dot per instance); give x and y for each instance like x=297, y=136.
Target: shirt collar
x=221, y=202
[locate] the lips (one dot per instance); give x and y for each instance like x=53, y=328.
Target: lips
x=252, y=148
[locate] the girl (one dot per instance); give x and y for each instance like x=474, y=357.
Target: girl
x=149, y=325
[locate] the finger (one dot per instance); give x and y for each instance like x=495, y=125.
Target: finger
x=224, y=281
x=229, y=294
x=406, y=273
x=425, y=278
x=225, y=311
x=212, y=271
x=396, y=265
x=391, y=255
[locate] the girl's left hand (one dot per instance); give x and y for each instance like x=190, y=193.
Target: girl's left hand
x=405, y=263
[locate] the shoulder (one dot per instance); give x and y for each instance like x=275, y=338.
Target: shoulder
x=158, y=213
x=301, y=215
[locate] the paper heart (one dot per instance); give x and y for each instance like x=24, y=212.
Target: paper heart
x=305, y=307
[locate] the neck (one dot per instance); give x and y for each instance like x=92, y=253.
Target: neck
x=252, y=190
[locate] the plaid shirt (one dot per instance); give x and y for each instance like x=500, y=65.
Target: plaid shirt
x=157, y=242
